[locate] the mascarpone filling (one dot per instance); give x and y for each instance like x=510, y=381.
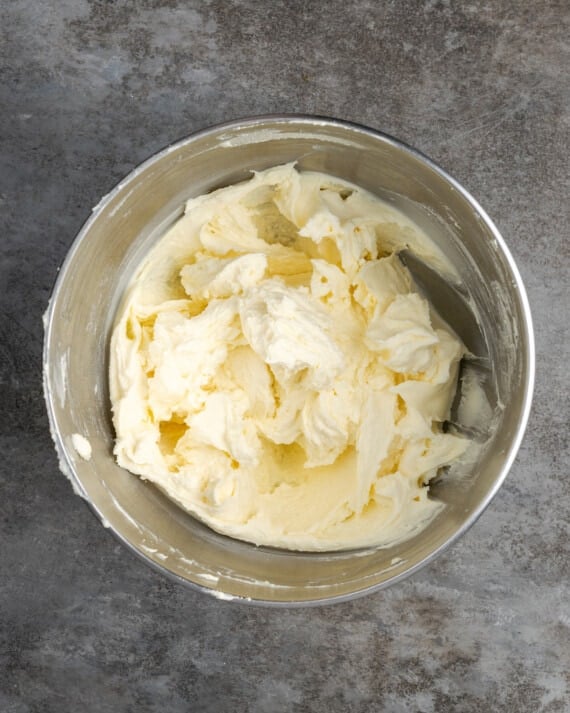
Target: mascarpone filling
x=274, y=370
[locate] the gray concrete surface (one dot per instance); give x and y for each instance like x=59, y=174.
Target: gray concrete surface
x=90, y=88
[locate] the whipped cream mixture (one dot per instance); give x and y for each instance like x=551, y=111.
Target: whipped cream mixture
x=276, y=373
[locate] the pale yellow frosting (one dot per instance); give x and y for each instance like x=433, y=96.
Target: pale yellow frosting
x=275, y=372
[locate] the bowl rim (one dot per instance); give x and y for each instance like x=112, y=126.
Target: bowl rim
x=314, y=121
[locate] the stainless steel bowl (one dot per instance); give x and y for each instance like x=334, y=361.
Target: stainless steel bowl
x=128, y=221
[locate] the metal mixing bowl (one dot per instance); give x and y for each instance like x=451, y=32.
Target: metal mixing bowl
x=119, y=233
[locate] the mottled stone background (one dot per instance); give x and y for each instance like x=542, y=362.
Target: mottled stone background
x=89, y=88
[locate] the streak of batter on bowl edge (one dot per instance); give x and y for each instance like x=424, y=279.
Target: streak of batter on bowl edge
x=275, y=371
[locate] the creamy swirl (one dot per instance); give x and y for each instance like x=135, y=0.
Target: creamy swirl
x=276, y=373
